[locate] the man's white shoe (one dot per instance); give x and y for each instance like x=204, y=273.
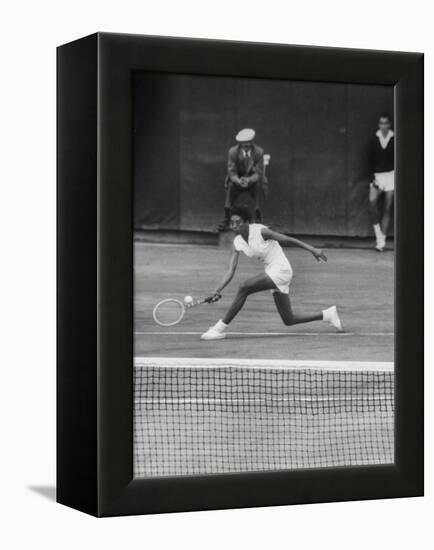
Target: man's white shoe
x=331, y=316
x=381, y=244
x=217, y=332
x=380, y=238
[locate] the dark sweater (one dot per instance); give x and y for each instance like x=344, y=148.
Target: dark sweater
x=383, y=160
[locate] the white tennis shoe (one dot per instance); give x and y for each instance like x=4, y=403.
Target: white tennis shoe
x=331, y=316
x=381, y=244
x=380, y=238
x=216, y=332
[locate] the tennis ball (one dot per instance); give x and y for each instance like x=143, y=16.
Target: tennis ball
x=188, y=300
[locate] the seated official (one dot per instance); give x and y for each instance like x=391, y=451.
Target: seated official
x=245, y=174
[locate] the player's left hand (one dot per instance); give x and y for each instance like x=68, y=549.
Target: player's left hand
x=319, y=255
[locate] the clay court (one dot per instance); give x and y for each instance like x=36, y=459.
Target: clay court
x=359, y=282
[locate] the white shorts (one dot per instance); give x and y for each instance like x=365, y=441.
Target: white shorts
x=281, y=275
x=385, y=181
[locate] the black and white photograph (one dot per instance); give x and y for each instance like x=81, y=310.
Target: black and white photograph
x=216, y=237
x=263, y=274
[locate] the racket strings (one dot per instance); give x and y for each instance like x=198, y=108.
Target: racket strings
x=168, y=312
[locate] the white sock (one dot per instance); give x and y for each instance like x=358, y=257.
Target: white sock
x=378, y=233
x=221, y=325
x=325, y=315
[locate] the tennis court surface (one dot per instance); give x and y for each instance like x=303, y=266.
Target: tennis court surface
x=359, y=282
x=269, y=397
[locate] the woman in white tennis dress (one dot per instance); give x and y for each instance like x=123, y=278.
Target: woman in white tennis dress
x=258, y=241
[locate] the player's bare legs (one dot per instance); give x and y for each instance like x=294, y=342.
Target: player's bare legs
x=388, y=205
x=374, y=194
x=255, y=284
x=251, y=286
x=283, y=305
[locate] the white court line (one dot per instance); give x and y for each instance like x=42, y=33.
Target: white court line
x=193, y=333
x=207, y=362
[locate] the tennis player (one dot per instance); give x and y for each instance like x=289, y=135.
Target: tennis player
x=383, y=183
x=258, y=241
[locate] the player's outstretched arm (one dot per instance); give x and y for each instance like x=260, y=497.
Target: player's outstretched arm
x=318, y=253
x=229, y=275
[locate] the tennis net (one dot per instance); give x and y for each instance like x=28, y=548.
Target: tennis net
x=206, y=416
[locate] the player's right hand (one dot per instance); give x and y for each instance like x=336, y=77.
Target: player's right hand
x=214, y=297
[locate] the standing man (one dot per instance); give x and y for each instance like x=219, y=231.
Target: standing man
x=383, y=164
x=245, y=174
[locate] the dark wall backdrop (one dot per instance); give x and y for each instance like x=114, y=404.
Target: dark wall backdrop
x=316, y=133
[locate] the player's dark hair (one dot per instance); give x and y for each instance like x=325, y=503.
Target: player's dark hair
x=243, y=212
x=385, y=115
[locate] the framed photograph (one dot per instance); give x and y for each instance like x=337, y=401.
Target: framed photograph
x=240, y=274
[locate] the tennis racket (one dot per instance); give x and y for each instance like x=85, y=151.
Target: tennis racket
x=170, y=311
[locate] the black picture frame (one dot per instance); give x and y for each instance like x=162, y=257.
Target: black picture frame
x=95, y=274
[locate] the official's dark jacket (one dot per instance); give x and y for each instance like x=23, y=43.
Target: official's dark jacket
x=251, y=167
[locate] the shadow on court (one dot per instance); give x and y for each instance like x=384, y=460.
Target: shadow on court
x=359, y=282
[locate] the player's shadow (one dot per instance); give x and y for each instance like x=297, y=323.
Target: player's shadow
x=47, y=491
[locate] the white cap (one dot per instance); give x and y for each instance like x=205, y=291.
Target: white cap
x=247, y=134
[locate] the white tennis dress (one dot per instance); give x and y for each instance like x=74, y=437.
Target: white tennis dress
x=276, y=264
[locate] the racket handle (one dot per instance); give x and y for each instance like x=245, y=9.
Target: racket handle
x=212, y=299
